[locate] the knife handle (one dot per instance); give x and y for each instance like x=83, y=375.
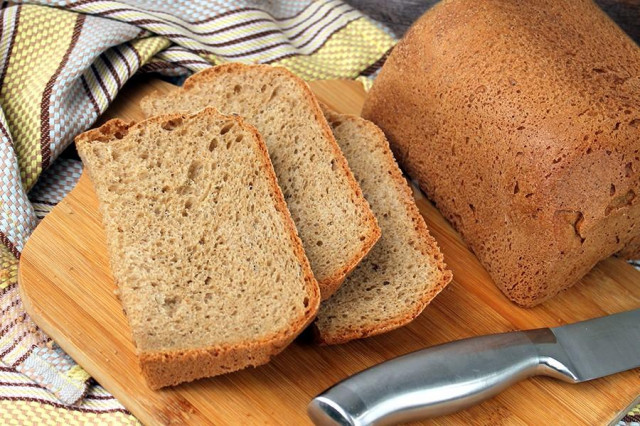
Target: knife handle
x=438, y=380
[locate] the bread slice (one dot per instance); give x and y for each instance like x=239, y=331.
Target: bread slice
x=405, y=269
x=334, y=220
x=209, y=269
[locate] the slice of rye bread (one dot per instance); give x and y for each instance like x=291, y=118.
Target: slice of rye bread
x=334, y=220
x=405, y=269
x=210, y=271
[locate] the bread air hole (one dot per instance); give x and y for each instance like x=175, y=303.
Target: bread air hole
x=225, y=129
x=274, y=93
x=171, y=124
x=195, y=170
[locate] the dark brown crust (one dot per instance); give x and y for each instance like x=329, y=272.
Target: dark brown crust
x=428, y=247
x=169, y=368
x=330, y=284
x=523, y=132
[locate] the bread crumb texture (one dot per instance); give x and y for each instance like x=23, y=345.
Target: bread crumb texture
x=335, y=222
x=210, y=272
x=521, y=120
x=405, y=270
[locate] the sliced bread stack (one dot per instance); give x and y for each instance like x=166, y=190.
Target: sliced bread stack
x=202, y=234
x=335, y=223
x=405, y=269
x=210, y=271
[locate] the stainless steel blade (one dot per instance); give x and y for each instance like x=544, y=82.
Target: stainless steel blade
x=601, y=346
x=450, y=377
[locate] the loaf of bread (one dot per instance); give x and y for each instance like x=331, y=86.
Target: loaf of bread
x=404, y=271
x=521, y=120
x=210, y=271
x=334, y=220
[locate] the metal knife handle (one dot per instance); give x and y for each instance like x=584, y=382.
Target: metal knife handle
x=437, y=380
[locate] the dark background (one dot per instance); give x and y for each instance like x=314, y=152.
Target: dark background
x=399, y=14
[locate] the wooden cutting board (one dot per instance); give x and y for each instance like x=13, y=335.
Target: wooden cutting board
x=67, y=289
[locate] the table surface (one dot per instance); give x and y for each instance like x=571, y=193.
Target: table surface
x=72, y=300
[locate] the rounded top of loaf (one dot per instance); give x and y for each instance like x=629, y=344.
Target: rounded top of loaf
x=557, y=77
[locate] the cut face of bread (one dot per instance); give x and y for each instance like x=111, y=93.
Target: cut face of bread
x=209, y=269
x=335, y=223
x=405, y=269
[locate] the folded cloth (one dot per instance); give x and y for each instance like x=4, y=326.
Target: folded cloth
x=61, y=65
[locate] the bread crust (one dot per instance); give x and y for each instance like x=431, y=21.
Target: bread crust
x=524, y=132
x=167, y=368
x=426, y=243
x=330, y=284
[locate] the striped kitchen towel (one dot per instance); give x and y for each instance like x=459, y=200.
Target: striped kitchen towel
x=61, y=64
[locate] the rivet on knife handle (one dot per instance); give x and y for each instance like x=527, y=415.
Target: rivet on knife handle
x=439, y=380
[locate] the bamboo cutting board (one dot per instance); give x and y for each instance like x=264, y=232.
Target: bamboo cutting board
x=68, y=291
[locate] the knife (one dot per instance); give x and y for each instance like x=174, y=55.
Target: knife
x=453, y=376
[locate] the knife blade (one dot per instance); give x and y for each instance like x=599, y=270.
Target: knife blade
x=453, y=376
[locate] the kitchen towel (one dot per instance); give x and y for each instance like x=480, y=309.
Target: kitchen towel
x=61, y=64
